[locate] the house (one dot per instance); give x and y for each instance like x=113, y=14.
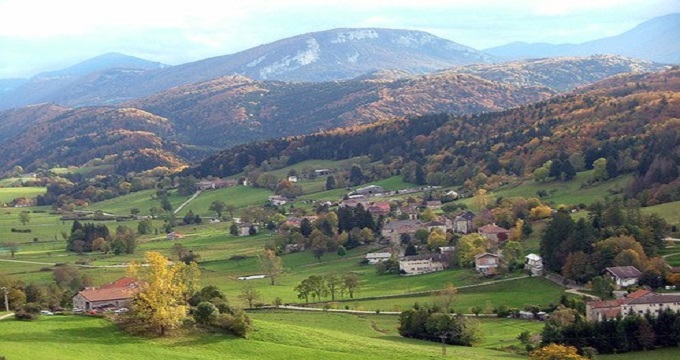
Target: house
x=354, y=202
x=293, y=179
x=487, y=263
x=534, y=264
x=374, y=258
x=244, y=229
x=369, y=190
x=322, y=172
x=447, y=249
x=423, y=264
x=654, y=303
x=174, y=235
x=215, y=184
x=379, y=208
x=410, y=210
x=434, y=204
x=395, y=228
x=436, y=225
x=292, y=248
x=462, y=223
x=296, y=221
x=116, y=294
x=278, y=200
x=494, y=233
x=623, y=276
x=599, y=310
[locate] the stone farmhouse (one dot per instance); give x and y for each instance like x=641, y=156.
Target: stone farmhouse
x=115, y=295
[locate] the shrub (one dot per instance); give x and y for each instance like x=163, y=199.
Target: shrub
x=503, y=311
x=205, y=313
x=29, y=311
x=238, y=324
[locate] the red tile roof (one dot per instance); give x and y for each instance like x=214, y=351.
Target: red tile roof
x=124, y=288
x=492, y=229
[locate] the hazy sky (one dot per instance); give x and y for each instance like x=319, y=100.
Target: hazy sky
x=40, y=35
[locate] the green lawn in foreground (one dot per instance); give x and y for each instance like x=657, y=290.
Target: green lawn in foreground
x=277, y=335
x=660, y=354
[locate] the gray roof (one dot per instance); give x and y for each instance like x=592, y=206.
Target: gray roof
x=433, y=257
x=467, y=215
x=654, y=298
x=624, y=272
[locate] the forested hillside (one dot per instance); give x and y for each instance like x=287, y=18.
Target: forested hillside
x=631, y=122
x=187, y=123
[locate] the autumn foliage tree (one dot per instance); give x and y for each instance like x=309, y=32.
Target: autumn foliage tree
x=271, y=265
x=161, y=305
x=556, y=352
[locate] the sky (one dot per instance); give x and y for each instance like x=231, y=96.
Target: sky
x=44, y=35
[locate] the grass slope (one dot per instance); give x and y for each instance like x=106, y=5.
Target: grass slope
x=277, y=335
x=11, y=193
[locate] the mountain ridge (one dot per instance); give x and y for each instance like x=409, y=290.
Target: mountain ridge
x=337, y=54
x=228, y=111
x=653, y=40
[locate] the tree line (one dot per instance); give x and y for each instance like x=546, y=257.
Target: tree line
x=632, y=332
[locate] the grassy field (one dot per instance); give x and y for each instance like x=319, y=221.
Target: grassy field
x=142, y=200
x=514, y=293
x=562, y=193
x=277, y=335
x=11, y=193
x=669, y=211
x=239, y=197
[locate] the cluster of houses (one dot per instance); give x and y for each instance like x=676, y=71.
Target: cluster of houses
x=639, y=302
x=486, y=264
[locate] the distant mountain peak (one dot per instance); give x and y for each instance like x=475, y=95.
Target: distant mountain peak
x=103, y=62
x=654, y=40
x=344, y=53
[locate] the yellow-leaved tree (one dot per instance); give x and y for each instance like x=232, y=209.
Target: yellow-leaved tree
x=161, y=305
x=556, y=352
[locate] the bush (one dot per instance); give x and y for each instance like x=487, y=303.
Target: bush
x=205, y=313
x=28, y=312
x=503, y=311
x=238, y=324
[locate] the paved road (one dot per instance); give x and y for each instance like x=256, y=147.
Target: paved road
x=6, y=316
x=179, y=208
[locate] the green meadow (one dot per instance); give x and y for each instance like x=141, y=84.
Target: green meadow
x=8, y=194
x=276, y=335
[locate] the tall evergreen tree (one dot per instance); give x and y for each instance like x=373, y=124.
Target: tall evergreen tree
x=557, y=233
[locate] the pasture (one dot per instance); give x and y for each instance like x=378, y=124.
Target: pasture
x=276, y=335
